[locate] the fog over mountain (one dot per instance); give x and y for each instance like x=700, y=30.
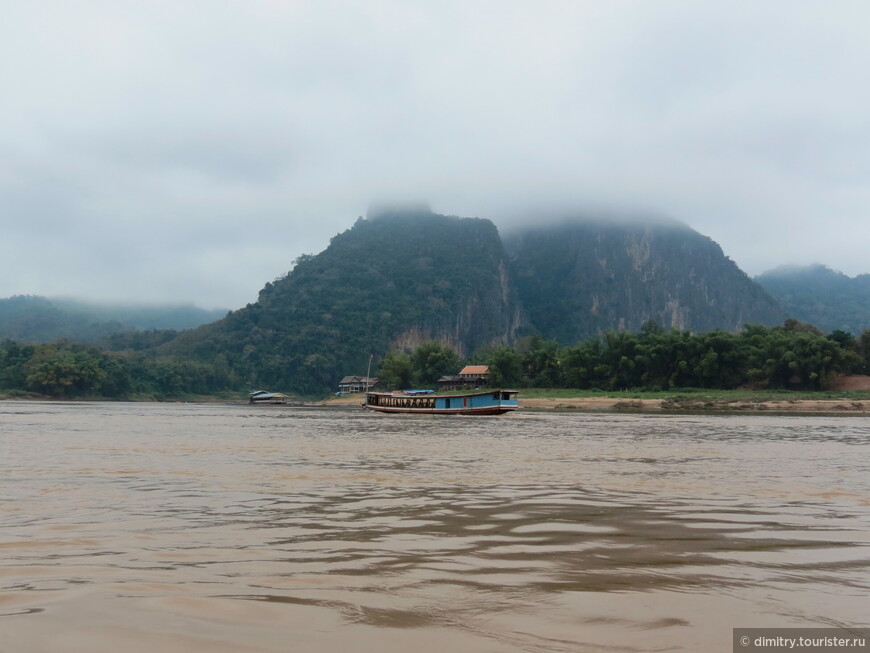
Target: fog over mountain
x=822, y=296
x=186, y=152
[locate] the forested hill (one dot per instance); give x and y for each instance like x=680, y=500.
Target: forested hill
x=396, y=279
x=828, y=299
x=401, y=278
x=580, y=278
x=28, y=318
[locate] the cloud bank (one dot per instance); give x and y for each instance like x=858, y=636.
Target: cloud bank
x=190, y=151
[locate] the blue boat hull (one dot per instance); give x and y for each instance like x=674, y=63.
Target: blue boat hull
x=493, y=402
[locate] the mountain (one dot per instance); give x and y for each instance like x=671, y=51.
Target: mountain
x=582, y=277
x=394, y=280
x=825, y=298
x=37, y=319
x=402, y=277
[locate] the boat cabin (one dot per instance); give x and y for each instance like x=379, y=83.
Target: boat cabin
x=493, y=402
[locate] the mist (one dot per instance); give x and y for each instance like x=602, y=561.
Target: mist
x=166, y=152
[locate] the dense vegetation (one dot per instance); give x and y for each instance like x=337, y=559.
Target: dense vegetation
x=424, y=293
x=66, y=369
x=794, y=356
x=821, y=296
x=389, y=281
x=404, y=277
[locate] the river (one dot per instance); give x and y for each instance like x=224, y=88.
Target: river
x=143, y=527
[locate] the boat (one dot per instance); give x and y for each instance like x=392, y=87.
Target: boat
x=490, y=402
x=263, y=397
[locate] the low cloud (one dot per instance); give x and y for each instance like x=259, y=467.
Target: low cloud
x=189, y=152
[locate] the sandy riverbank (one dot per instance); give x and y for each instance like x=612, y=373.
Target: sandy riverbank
x=699, y=404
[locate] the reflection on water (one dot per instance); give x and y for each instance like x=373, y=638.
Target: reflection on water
x=144, y=527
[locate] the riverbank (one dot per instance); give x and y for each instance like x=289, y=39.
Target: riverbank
x=699, y=404
x=849, y=396
x=676, y=404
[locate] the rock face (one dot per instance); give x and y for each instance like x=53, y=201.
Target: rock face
x=580, y=278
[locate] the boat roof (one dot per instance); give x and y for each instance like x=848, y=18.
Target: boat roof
x=405, y=393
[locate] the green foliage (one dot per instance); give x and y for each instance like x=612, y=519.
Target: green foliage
x=770, y=357
x=821, y=296
x=408, y=277
x=423, y=366
x=783, y=358
x=431, y=361
x=13, y=359
x=764, y=357
x=66, y=369
x=137, y=340
x=420, y=274
x=862, y=347
x=505, y=365
x=396, y=370
x=39, y=320
x=540, y=361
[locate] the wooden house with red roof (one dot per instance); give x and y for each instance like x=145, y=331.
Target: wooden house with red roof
x=470, y=376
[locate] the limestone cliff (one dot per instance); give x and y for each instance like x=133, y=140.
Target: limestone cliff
x=579, y=278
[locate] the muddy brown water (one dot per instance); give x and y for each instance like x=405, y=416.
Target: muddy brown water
x=171, y=527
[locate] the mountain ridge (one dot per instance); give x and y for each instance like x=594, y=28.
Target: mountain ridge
x=34, y=318
x=393, y=280
x=820, y=295
x=402, y=277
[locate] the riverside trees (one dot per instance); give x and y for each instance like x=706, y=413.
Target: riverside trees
x=767, y=357
x=66, y=369
x=794, y=356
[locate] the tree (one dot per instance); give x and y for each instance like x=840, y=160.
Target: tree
x=13, y=361
x=431, y=361
x=396, y=370
x=505, y=365
x=864, y=351
x=540, y=361
x=65, y=369
x=788, y=357
x=581, y=365
x=619, y=358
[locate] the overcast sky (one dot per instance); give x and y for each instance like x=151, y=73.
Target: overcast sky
x=189, y=151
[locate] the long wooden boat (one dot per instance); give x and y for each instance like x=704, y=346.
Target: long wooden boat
x=490, y=402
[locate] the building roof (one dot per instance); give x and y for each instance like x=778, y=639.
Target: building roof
x=358, y=379
x=475, y=369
